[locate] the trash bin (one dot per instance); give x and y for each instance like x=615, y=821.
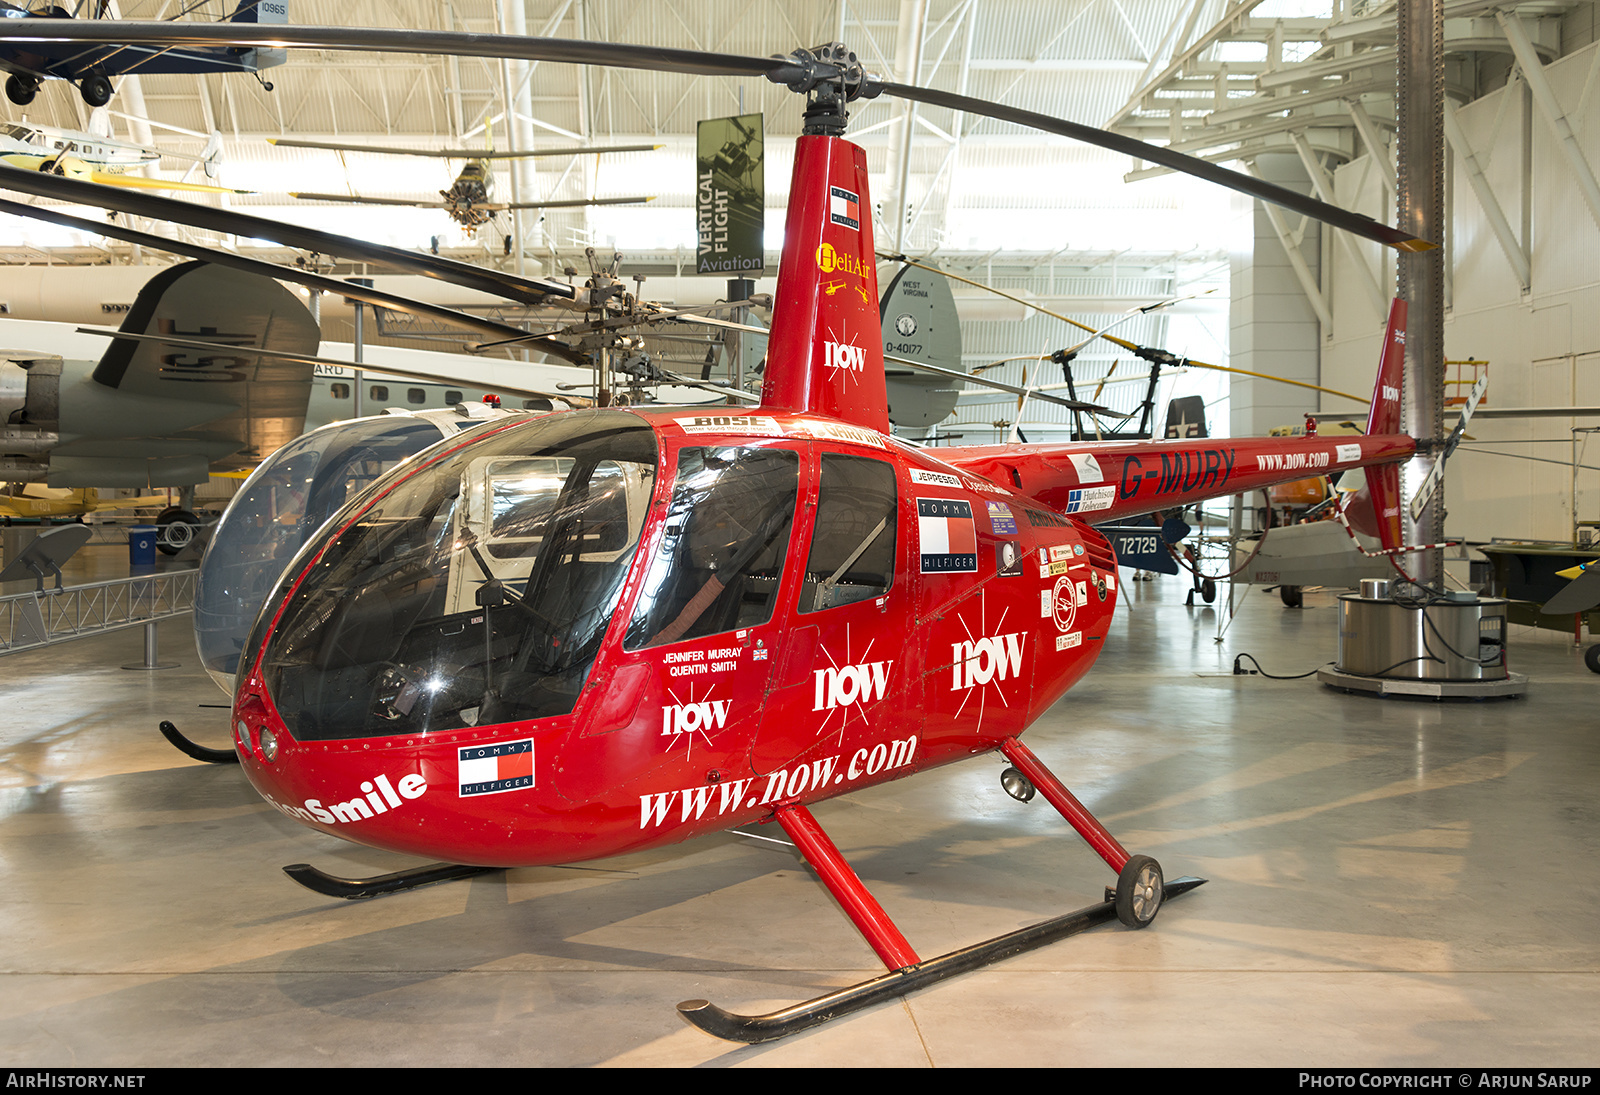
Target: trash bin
x=142, y=546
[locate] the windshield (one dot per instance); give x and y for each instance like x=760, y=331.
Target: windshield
x=475, y=592
x=285, y=500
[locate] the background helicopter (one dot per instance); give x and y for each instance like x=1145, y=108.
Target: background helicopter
x=394, y=628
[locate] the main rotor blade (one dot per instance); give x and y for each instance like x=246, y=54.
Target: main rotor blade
x=459, y=153
x=1358, y=223
x=779, y=70
x=484, y=279
x=375, y=297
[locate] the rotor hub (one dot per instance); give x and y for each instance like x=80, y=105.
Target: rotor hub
x=830, y=76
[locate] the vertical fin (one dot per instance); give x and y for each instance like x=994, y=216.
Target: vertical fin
x=1383, y=481
x=825, y=354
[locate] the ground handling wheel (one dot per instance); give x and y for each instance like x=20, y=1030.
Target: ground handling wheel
x=176, y=530
x=1290, y=596
x=1591, y=658
x=1139, y=891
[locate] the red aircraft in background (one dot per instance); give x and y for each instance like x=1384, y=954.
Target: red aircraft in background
x=598, y=631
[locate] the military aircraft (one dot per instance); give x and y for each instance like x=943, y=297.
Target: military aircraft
x=469, y=200
x=587, y=633
x=91, y=68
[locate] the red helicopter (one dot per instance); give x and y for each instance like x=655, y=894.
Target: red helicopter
x=599, y=631
x=591, y=632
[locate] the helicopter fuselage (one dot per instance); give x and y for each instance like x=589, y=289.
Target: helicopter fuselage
x=890, y=614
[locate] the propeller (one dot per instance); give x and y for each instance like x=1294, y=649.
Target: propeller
x=831, y=75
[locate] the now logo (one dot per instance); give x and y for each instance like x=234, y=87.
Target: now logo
x=850, y=684
x=985, y=660
x=1391, y=394
x=836, y=355
x=686, y=718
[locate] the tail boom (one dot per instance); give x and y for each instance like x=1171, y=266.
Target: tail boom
x=1115, y=480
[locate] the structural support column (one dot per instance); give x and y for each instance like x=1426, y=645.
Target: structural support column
x=1277, y=311
x=1419, y=200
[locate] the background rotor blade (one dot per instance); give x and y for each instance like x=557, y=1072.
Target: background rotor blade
x=308, y=359
x=497, y=282
x=375, y=297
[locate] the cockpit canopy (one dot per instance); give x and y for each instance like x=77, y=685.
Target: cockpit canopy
x=285, y=500
x=475, y=591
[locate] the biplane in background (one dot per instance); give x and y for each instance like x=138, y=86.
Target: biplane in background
x=469, y=200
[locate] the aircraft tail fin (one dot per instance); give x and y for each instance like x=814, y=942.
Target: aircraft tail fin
x=1383, y=481
x=825, y=354
x=1186, y=417
x=193, y=389
x=264, y=13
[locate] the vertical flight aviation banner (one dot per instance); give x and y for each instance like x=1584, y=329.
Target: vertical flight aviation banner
x=730, y=195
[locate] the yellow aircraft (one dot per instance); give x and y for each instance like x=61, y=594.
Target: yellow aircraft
x=35, y=500
x=87, y=156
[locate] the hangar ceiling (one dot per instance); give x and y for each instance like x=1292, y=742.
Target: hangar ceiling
x=1038, y=216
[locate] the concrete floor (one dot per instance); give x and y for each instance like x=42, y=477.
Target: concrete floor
x=1393, y=882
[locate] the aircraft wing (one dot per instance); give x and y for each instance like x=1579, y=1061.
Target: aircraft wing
x=139, y=182
x=1113, y=480
x=417, y=203
x=491, y=207
x=458, y=153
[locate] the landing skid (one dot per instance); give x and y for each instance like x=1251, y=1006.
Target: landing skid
x=1137, y=897
x=198, y=752
x=356, y=888
x=753, y=1029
